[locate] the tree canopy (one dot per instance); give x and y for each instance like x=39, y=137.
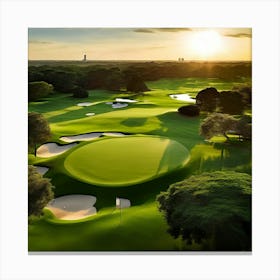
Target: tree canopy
x=38, y=129
x=37, y=90
x=39, y=192
x=79, y=92
x=211, y=209
x=207, y=99
x=217, y=124
x=231, y=102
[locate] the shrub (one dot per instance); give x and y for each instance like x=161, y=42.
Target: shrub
x=37, y=90
x=189, y=110
x=79, y=92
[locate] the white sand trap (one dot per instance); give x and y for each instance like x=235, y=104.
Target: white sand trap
x=182, y=97
x=90, y=114
x=85, y=104
x=126, y=100
x=81, y=137
x=52, y=149
x=73, y=207
x=119, y=105
x=122, y=203
x=109, y=103
x=117, y=134
x=42, y=169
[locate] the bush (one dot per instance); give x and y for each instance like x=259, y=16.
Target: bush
x=37, y=90
x=79, y=92
x=189, y=110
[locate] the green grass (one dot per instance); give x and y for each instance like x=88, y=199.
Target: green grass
x=141, y=227
x=136, y=228
x=126, y=161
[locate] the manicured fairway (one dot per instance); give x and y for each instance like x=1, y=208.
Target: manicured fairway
x=126, y=161
x=159, y=147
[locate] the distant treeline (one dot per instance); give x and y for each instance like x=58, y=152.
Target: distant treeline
x=130, y=76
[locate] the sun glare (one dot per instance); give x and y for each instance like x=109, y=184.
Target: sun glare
x=206, y=43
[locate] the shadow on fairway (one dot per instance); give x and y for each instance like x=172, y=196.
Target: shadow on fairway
x=180, y=128
x=134, y=122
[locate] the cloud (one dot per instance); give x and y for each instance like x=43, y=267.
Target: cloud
x=40, y=42
x=239, y=35
x=164, y=29
x=144, y=30
x=167, y=29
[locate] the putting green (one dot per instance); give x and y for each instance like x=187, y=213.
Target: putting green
x=126, y=161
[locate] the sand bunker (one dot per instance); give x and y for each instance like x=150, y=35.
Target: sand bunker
x=117, y=134
x=182, y=97
x=119, y=105
x=52, y=149
x=90, y=114
x=73, y=207
x=122, y=203
x=42, y=170
x=126, y=100
x=85, y=104
x=81, y=137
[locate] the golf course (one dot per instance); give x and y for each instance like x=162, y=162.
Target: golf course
x=101, y=150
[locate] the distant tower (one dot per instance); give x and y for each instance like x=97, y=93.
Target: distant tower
x=85, y=58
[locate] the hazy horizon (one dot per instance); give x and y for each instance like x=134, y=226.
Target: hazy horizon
x=135, y=44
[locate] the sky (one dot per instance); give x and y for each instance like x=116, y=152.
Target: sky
x=222, y=44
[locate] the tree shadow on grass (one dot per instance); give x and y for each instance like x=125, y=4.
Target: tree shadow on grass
x=131, y=122
x=183, y=129
x=221, y=156
x=106, y=196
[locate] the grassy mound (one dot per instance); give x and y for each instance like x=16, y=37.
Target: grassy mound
x=126, y=161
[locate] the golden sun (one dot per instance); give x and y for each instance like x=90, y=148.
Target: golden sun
x=206, y=43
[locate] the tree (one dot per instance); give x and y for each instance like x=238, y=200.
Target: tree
x=217, y=124
x=189, y=110
x=37, y=90
x=79, y=92
x=114, y=81
x=244, y=127
x=207, y=99
x=231, y=102
x=38, y=130
x=63, y=81
x=39, y=192
x=211, y=209
x=134, y=82
x=246, y=94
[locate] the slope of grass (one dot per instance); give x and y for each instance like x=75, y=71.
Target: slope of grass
x=125, y=161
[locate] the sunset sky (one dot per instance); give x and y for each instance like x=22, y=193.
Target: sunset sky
x=140, y=43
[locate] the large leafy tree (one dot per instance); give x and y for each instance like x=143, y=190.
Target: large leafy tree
x=134, y=81
x=231, y=102
x=207, y=99
x=38, y=129
x=217, y=124
x=39, y=192
x=211, y=209
x=37, y=90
